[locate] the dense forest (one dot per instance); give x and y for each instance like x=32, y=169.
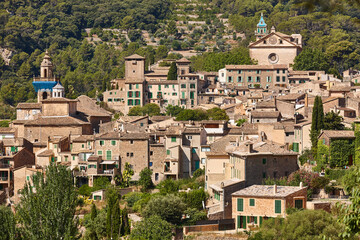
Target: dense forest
x=27, y=28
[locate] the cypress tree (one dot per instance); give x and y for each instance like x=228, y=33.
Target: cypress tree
x=116, y=220
x=125, y=228
x=172, y=74
x=93, y=213
x=317, y=123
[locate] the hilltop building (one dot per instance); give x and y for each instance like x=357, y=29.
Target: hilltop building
x=274, y=47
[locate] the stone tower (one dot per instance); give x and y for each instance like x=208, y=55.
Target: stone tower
x=261, y=30
x=44, y=84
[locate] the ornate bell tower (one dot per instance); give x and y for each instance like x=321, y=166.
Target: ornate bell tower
x=261, y=30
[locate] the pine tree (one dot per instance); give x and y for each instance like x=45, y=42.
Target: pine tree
x=103, y=85
x=172, y=74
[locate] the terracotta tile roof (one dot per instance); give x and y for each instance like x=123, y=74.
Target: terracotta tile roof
x=266, y=104
x=55, y=121
x=134, y=56
x=135, y=136
x=267, y=191
x=109, y=135
x=46, y=153
x=29, y=106
x=257, y=67
x=246, y=129
x=174, y=130
x=89, y=107
x=84, y=138
x=338, y=133
x=264, y=114
x=58, y=100
x=7, y=130
x=291, y=96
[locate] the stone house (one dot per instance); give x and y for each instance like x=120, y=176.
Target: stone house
x=329, y=135
x=265, y=117
x=23, y=175
x=252, y=205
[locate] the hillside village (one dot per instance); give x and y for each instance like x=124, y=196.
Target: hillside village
x=263, y=136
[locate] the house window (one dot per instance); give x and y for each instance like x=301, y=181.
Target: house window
x=159, y=87
x=257, y=79
x=249, y=79
x=173, y=139
x=193, y=150
x=130, y=102
x=268, y=79
x=192, y=95
x=284, y=79
x=189, y=137
x=239, y=79
x=66, y=158
x=299, y=203
x=131, y=154
x=151, y=153
x=101, y=143
x=156, y=176
x=73, y=158
x=252, y=202
x=150, y=164
x=264, y=174
x=217, y=195
x=113, y=142
x=137, y=86
x=240, y=204
x=128, y=154
x=131, y=141
x=167, y=152
x=192, y=85
x=55, y=146
x=99, y=153
x=28, y=178
x=264, y=160
x=277, y=206
x=277, y=79
x=229, y=79
x=203, y=160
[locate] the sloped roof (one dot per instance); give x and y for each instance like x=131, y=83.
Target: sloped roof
x=58, y=100
x=29, y=106
x=267, y=191
x=183, y=60
x=338, y=133
x=55, y=121
x=89, y=107
x=264, y=114
x=135, y=56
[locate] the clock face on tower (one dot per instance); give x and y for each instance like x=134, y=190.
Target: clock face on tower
x=272, y=40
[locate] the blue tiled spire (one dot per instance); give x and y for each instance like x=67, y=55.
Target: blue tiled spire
x=261, y=22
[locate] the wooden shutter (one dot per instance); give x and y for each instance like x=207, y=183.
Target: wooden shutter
x=238, y=221
x=260, y=220
x=277, y=206
x=255, y=220
x=240, y=204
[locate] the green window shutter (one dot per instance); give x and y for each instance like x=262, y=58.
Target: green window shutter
x=240, y=204
x=73, y=157
x=173, y=139
x=277, y=206
x=244, y=222
x=264, y=160
x=260, y=220
x=299, y=204
x=99, y=153
x=113, y=143
x=27, y=178
x=248, y=219
x=238, y=221
x=108, y=155
x=255, y=220
x=12, y=149
x=252, y=202
x=167, y=152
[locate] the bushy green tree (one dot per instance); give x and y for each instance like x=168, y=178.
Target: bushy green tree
x=154, y=228
x=126, y=175
x=49, y=212
x=170, y=208
x=145, y=180
x=311, y=59
x=217, y=114
x=150, y=109
x=172, y=74
x=333, y=121
x=173, y=111
x=302, y=225
x=7, y=224
x=190, y=114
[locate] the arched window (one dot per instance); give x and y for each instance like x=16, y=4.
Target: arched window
x=44, y=95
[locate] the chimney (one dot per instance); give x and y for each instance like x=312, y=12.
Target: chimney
x=275, y=189
x=250, y=147
x=301, y=185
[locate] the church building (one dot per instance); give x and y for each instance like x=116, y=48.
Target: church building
x=274, y=47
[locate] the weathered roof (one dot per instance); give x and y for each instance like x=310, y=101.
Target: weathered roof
x=135, y=136
x=55, y=121
x=134, y=56
x=46, y=153
x=29, y=106
x=261, y=148
x=338, y=133
x=183, y=60
x=58, y=100
x=131, y=119
x=245, y=128
x=159, y=118
x=84, y=138
x=340, y=89
x=257, y=67
x=109, y=135
x=266, y=104
x=89, y=107
x=291, y=96
x=264, y=114
x=219, y=186
x=267, y=191
x=7, y=130
x=192, y=130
